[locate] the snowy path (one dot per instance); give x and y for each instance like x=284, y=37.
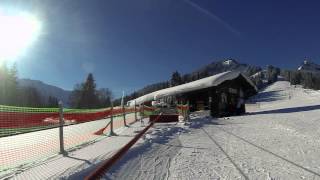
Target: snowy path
x=152, y=157
x=278, y=139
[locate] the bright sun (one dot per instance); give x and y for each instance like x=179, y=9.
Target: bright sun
x=17, y=32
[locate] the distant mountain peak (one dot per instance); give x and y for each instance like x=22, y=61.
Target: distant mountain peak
x=229, y=62
x=46, y=90
x=309, y=66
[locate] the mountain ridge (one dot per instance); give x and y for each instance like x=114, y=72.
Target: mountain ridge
x=213, y=68
x=45, y=89
x=309, y=66
x=229, y=64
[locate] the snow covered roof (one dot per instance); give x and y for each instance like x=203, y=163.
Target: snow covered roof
x=207, y=82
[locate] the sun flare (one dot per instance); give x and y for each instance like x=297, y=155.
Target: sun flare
x=17, y=32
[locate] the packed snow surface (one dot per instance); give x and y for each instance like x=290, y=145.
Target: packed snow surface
x=277, y=139
x=39, y=150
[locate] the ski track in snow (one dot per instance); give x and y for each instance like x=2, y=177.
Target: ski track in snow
x=151, y=159
x=277, y=139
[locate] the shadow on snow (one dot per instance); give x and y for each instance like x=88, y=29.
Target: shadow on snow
x=288, y=110
x=167, y=138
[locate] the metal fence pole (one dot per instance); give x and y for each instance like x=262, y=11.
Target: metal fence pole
x=111, y=122
x=135, y=111
x=141, y=114
x=124, y=115
x=61, y=124
x=188, y=111
x=142, y=111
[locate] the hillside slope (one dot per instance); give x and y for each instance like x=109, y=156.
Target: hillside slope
x=227, y=65
x=213, y=68
x=46, y=90
x=277, y=139
x=309, y=66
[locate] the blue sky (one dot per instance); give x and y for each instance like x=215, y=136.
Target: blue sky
x=128, y=44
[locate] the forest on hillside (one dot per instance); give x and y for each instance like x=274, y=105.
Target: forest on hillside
x=84, y=95
x=14, y=95
x=178, y=79
x=309, y=80
x=260, y=78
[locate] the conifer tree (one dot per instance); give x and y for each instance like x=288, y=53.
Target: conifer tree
x=175, y=79
x=89, y=97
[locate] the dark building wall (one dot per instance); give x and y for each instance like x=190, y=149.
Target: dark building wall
x=222, y=100
x=197, y=100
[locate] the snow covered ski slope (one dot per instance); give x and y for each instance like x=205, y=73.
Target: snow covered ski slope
x=278, y=139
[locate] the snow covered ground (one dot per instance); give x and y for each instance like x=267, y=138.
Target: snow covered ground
x=21, y=152
x=82, y=161
x=278, y=139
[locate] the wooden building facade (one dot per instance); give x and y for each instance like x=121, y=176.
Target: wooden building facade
x=224, y=99
x=223, y=94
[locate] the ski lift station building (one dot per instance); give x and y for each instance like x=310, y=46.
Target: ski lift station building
x=222, y=94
